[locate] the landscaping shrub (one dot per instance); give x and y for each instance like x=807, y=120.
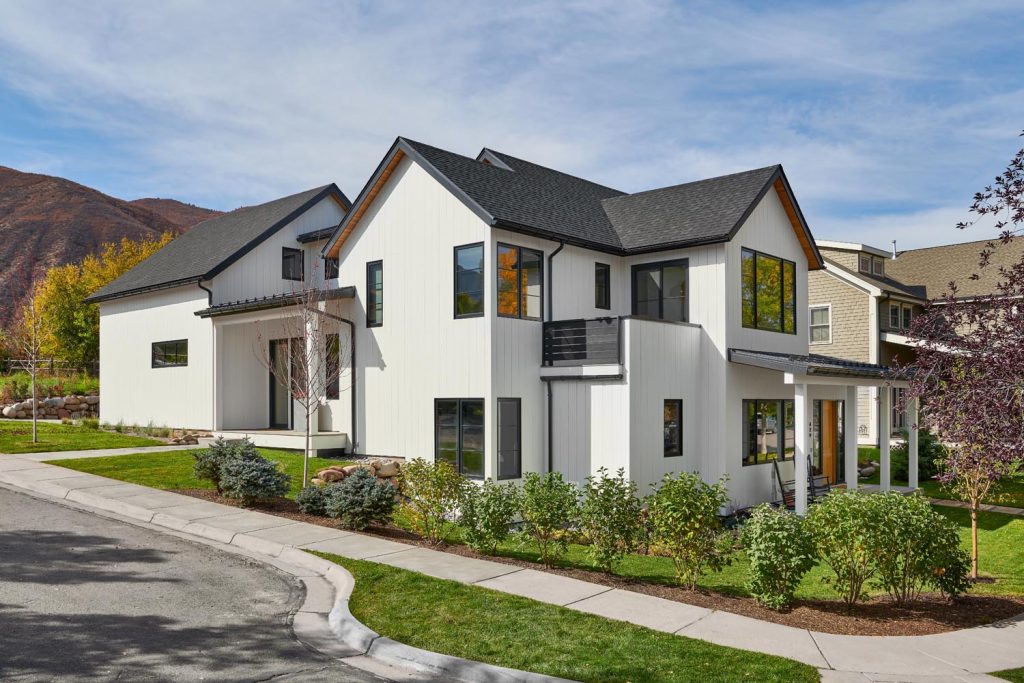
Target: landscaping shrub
x=434, y=492
x=312, y=500
x=845, y=528
x=550, y=508
x=90, y=423
x=929, y=453
x=209, y=461
x=918, y=548
x=360, y=500
x=610, y=518
x=780, y=551
x=487, y=514
x=252, y=480
x=684, y=521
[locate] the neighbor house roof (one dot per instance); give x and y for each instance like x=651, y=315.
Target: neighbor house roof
x=885, y=284
x=508, y=192
x=933, y=268
x=213, y=245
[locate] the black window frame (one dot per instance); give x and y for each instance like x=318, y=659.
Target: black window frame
x=459, y=462
x=455, y=281
x=602, y=290
x=780, y=445
x=291, y=252
x=518, y=450
x=332, y=365
x=178, y=343
x=372, y=293
x=782, y=293
x=332, y=267
x=678, y=402
x=638, y=267
x=520, y=314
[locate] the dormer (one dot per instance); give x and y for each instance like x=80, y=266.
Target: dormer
x=859, y=258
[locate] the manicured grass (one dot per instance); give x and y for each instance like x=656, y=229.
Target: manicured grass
x=16, y=437
x=1010, y=491
x=1012, y=675
x=507, y=630
x=173, y=469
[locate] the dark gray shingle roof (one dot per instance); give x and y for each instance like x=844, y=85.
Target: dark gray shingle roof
x=811, y=364
x=211, y=246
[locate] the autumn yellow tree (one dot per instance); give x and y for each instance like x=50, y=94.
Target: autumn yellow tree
x=71, y=327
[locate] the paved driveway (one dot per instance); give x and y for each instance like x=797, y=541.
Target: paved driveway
x=86, y=598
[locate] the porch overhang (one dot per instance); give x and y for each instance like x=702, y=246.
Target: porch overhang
x=270, y=302
x=815, y=369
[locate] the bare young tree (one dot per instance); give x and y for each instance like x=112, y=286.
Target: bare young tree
x=316, y=356
x=28, y=342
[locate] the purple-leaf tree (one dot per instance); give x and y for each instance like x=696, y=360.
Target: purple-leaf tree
x=969, y=369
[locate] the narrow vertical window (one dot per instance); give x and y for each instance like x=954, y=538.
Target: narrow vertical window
x=907, y=314
x=459, y=434
x=602, y=286
x=672, y=418
x=510, y=455
x=894, y=316
x=469, y=281
x=330, y=268
x=291, y=264
x=520, y=282
x=821, y=324
x=375, y=294
x=332, y=365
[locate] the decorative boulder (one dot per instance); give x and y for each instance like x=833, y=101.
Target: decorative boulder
x=331, y=476
x=387, y=470
x=10, y=411
x=92, y=400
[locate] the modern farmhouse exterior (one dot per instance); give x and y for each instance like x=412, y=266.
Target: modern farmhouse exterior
x=512, y=318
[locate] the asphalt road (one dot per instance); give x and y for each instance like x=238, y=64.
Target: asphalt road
x=87, y=598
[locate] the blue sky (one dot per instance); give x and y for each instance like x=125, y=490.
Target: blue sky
x=887, y=116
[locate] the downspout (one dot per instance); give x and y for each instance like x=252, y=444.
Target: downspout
x=209, y=292
x=213, y=356
x=550, y=390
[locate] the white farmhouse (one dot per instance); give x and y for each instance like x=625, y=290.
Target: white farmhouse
x=508, y=318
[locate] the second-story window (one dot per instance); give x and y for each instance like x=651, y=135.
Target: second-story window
x=291, y=264
x=469, y=281
x=821, y=324
x=769, y=292
x=330, y=268
x=659, y=290
x=520, y=282
x=900, y=316
x=602, y=286
x=375, y=294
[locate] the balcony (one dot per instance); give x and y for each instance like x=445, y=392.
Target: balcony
x=569, y=343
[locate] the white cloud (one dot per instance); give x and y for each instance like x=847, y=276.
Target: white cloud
x=882, y=110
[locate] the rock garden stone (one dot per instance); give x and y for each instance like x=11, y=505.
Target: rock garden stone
x=387, y=470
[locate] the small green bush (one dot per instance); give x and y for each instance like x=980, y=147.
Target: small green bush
x=685, y=525
x=845, y=529
x=487, y=514
x=780, y=551
x=610, y=518
x=312, y=500
x=929, y=453
x=360, y=500
x=434, y=492
x=209, y=461
x=252, y=480
x=917, y=549
x=550, y=509
x=90, y=423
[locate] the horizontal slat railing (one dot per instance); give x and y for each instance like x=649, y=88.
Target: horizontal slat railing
x=581, y=342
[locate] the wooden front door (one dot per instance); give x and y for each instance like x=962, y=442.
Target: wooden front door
x=829, y=439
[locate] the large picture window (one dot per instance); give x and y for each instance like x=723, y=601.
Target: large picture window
x=602, y=286
x=768, y=292
x=768, y=430
x=659, y=290
x=520, y=282
x=469, y=281
x=375, y=294
x=291, y=263
x=170, y=354
x=510, y=438
x=672, y=418
x=459, y=434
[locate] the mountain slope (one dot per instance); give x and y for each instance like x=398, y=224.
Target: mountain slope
x=47, y=221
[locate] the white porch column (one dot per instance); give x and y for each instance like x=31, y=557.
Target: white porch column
x=884, y=436
x=912, y=443
x=850, y=437
x=314, y=352
x=801, y=419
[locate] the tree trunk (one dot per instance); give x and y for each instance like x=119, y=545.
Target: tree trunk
x=974, y=540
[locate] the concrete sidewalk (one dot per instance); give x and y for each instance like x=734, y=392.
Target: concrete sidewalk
x=957, y=656
x=1003, y=509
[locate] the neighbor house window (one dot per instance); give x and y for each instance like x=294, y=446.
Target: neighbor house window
x=602, y=286
x=659, y=290
x=520, y=282
x=291, y=263
x=878, y=266
x=330, y=268
x=375, y=294
x=672, y=419
x=510, y=438
x=900, y=316
x=459, y=434
x=170, y=354
x=469, y=281
x=332, y=364
x=821, y=324
x=769, y=292
x=768, y=430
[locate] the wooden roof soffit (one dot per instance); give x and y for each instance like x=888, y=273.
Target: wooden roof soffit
x=365, y=203
x=798, y=228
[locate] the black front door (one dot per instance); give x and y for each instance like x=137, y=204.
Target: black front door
x=280, y=400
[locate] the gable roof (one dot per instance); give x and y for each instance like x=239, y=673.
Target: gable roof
x=213, y=245
x=933, y=268
x=885, y=284
x=511, y=193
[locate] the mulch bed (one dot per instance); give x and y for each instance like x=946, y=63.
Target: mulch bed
x=876, y=617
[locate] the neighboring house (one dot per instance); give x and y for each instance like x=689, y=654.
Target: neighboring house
x=512, y=318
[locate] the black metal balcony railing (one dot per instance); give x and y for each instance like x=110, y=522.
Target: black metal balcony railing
x=582, y=342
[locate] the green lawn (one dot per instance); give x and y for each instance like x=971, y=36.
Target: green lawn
x=1010, y=491
x=173, y=469
x=507, y=630
x=1013, y=675
x=16, y=437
